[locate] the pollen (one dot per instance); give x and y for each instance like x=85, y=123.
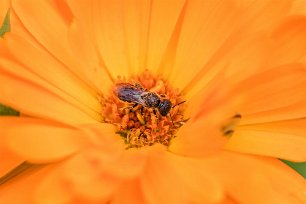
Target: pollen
x=137, y=123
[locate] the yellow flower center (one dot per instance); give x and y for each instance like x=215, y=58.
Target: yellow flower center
x=145, y=110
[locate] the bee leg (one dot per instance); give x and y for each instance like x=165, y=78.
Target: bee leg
x=130, y=107
x=156, y=115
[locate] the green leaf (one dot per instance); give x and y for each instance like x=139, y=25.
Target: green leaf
x=299, y=167
x=6, y=26
x=5, y=110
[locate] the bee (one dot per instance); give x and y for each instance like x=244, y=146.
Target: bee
x=138, y=95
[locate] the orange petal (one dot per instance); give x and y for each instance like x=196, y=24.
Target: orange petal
x=208, y=111
x=47, y=27
x=198, y=139
x=285, y=139
x=26, y=96
x=130, y=164
x=92, y=70
x=202, y=184
x=299, y=7
x=52, y=189
x=4, y=7
x=127, y=31
x=110, y=154
x=104, y=22
x=159, y=177
x=277, y=94
x=63, y=10
x=160, y=30
x=23, y=187
x=136, y=20
x=211, y=50
x=52, y=72
x=87, y=181
x=212, y=103
x=257, y=179
x=289, y=41
x=262, y=14
x=199, y=39
x=45, y=141
x=129, y=192
x=8, y=159
x=166, y=172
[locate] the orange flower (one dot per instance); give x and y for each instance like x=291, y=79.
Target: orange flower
x=240, y=65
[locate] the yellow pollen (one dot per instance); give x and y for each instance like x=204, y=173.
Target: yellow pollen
x=138, y=123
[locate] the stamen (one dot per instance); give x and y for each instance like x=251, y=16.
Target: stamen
x=138, y=124
x=229, y=128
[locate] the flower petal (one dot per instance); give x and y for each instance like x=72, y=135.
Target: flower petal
x=92, y=70
x=211, y=49
x=166, y=172
x=45, y=25
x=102, y=21
x=161, y=29
x=8, y=159
x=63, y=10
x=129, y=192
x=23, y=187
x=257, y=179
x=289, y=41
x=52, y=190
x=48, y=28
x=110, y=155
x=191, y=140
x=277, y=94
x=52, y=72
x=130, y=164
x=132, y=37
x=45, y=141
x=200, y=18
x=209, y=111
x=136, y=20
x=285, y=139
x=4, y=7
x=53, y=107
x=87, y=181
x=299, y=7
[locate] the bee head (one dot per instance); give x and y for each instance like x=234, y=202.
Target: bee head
x=164, y=107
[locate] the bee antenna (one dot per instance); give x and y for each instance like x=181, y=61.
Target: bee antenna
x=178, y=104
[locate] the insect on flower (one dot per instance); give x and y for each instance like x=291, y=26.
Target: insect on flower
x=139, y=96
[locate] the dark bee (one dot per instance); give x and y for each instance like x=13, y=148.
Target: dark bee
x=138, y=95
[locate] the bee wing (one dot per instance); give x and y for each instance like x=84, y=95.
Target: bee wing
x=140, y=100
x=129, y=93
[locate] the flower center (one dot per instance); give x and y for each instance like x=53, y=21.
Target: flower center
x=145, y=110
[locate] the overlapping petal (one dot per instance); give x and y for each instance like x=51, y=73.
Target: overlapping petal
x=38, y=140
x=257, y=180
x=284, y=139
